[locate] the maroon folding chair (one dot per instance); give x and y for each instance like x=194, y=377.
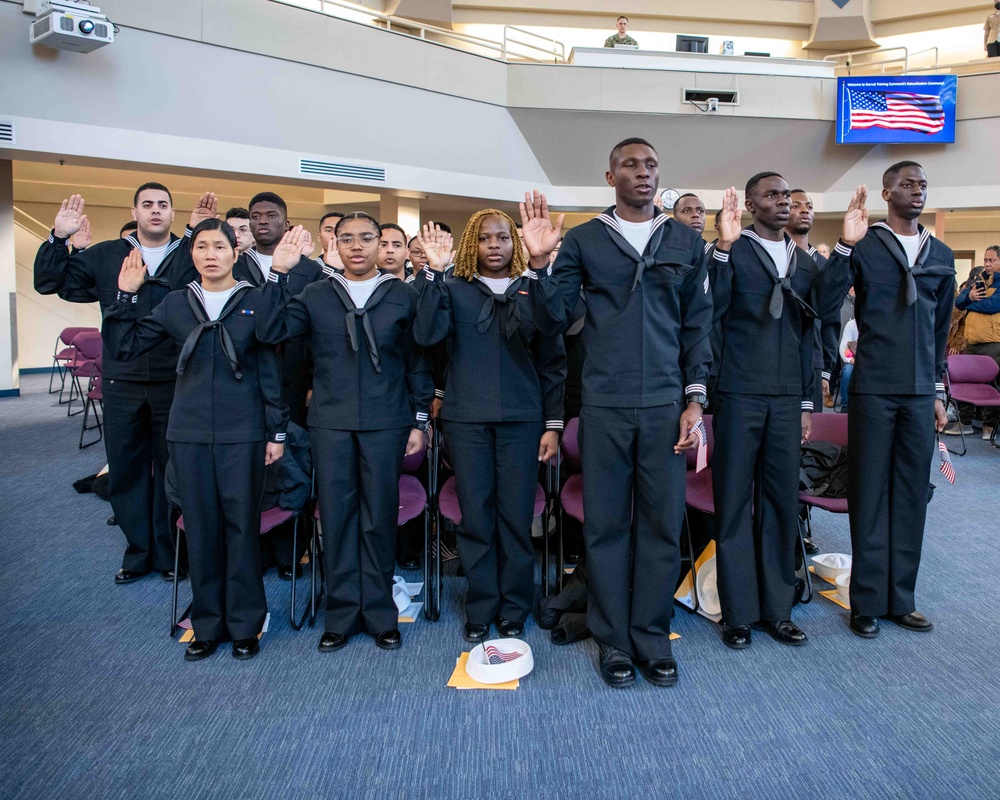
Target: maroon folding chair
x=62, y=356
x=972, y=379
x=571, y=494
x=88, y=346
x=414, y=501
x=94, y=398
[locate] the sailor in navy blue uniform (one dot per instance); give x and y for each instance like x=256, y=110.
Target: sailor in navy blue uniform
x=765, y=291
x=645, y=366
x=226, y=423
x=137, y=394
x=904, y=284
x=502, y=410
x=371, y=395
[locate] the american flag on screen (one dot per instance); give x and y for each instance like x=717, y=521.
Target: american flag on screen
x=699, y=431
x=896, y=111
x=947, y=468
x=497, y=656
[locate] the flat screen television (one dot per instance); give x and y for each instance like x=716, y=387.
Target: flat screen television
x=896, y=109
x=692, y=44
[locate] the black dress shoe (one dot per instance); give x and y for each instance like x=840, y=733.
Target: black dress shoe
x=389, y=640
x=784, y=631
x=508, y=629
x=864, y=626
x=128, y=576
x=285, y=571
x=660, y=671
x=736, y=636
x=616, y=667
x=409, y=562
x=332, y=641
x=914, y=621
x=168, y=575
x=811, y=547
x=245, y=648
x=475, y=633
x=198, y=649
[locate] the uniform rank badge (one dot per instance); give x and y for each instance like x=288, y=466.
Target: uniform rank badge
x=247, y=311
x=522, y=291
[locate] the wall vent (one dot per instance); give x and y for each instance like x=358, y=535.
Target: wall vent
x=7, y=132
x=331, y=170
x=727, y=97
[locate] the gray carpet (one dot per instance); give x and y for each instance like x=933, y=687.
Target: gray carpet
x=97, y=701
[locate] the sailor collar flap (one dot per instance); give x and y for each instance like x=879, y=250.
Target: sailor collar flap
x=888, y=238
x=382, y=287
x=642, y=260
x=507, y=301
x=782, y=286
x=196, y=299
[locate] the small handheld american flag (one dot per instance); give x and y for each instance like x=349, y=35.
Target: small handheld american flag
x=947, y=468
x=699, y=431
x=497, y=656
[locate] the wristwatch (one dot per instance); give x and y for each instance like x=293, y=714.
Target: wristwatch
x=700, y=399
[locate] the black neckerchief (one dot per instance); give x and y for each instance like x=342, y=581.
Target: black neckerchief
x=782, y=286
x=508, y=301
x=196, y=301
x=887, y=236
x=646, y=259
x=339, y=284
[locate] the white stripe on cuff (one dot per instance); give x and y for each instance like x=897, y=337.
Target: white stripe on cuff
x=279, y=437
x=807, y=405
x=939, y=387
x=272, y=277
x=439, y=393
x=721, y=255
x=422, y=416
x=554, y=425
x=825, y=374
x=696, y=388
x=843, y=249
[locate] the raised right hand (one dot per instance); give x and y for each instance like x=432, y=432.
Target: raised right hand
x=133, y=272
x=289, y=249
x=70, y=217
x=437, y=246
x=730, y=220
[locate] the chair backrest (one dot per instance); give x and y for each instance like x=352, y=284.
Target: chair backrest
x=972, y=369
x=68, y=334
x=88, y=345
x=571, y=446
x=829, y=428
x=692, y=455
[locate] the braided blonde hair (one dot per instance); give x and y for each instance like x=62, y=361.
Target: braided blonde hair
x=467, y=255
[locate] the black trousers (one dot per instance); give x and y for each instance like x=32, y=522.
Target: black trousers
x=633, y=507
x=357, y=480
x=221, y=487
x=817, y=397
x=496, y=477
x=890, y=448
x=135, y=429
x=755, y=476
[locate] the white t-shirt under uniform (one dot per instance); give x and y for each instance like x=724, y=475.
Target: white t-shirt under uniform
x=216, y=301
x=498, y=285
x=153, y=257
x=779, y=255
x=911, y=246
x=636, y=233
x=265, y=265
x=360, y=291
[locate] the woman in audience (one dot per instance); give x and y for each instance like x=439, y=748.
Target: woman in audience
x=372, y=392
x=226, y=423
x=502, y=409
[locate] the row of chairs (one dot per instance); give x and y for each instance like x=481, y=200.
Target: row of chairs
x=77, y=358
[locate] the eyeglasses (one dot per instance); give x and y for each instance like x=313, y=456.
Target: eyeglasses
x=348, y=238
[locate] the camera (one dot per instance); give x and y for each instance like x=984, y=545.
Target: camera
x=980, y=285
x=713, y=103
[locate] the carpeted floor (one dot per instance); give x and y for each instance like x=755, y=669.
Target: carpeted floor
x=98, y=703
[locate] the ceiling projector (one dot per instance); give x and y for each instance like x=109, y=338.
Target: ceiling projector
x=67, y=25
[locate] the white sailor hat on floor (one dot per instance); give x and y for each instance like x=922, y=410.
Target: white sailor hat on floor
x=708, y=588
x=400, y=595
x=844, y=587
x=832, y=565
x=499, y=661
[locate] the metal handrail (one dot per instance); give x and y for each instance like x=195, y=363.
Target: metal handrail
x=557, y=51
x=28, y=221
x=851, y=53
x=412, y=27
